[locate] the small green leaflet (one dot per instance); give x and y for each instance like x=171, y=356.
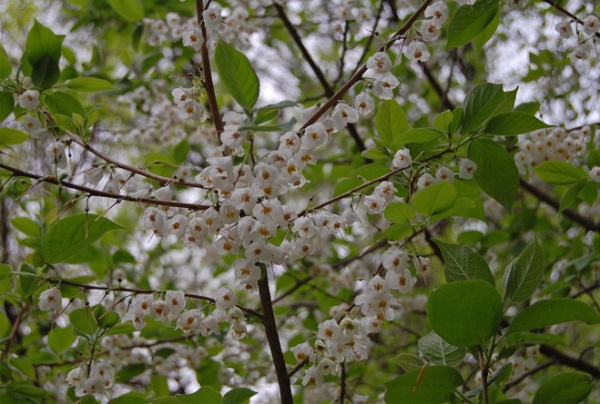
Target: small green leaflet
x=465, y=313
x=238, y=75
x=496, y=171
x=469, y=21
x=390, y=122
x=90, y=84
x=461, y=263
x=553, y=311
x=436, y=384
x=559, y=172
x=10, y=136
x=514, y=123
x=524, y=274
x=564, y=388
x=129, y=10
x=69, y=236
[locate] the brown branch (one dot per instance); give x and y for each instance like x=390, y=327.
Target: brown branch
x=360, y=72
x=268, y=319
x=525, y=375
x=94, y=192
x=567, y=13
x=13, y=334
x=145, y=292
x=575, y=363
x=574, y=216
x=207, y=74
x=160, y=179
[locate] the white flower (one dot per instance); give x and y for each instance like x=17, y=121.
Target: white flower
x=417, y=51
x=379, y=63
x=313, y=376
x=212, y=17
x=444, y=174
x=395, y=259
x=384, y=86
x=564, y=29
x=374, y=204
x=50, y=299
x=591, y=24
x=402, y=281
x=181, y=95
x=467, y=168
x=429, y=30
x=402, y=158
x=438, y=11
x=225, y=298
x=175, y=301
x=314, y=135
x=364, y=104
x=303, y=352
x=425, y=180
x=193, y=38
x=581, y=52
x=29, y=99
x=386, y=190
x=595, y=173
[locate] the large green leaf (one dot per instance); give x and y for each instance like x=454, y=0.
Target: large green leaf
x=564, y=388
x=5, y=66
x=129, y=10
x=84, y=320
x=435, y=385
x=559, y=172
x=437, y=351
x=63, y=103
x=469, y=21
x=418, y=135
x=41, y=41
x=90, y=84
x=496, y=171
x=45, y=72
x=480, y=105
x=461, y=263
x=10, y=136
x=524, y=274
x=514, y=123
x=206, y=394
x=409, y=361
x=59, y=339
x=390, y=122
x=399, y=212
x=5, y=280
x=238, y=396
x=465, y=313
x=7, y=104
x=553, y=311
x=70, y=235
x=238, y=75
x=434, y=199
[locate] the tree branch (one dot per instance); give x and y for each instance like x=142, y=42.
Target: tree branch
x=575, y=363
x=94, y=192
x=574, y=216
x=285, y=389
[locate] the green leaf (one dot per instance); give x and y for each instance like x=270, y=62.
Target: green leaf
x=593, y=159
x=443, y=121
x=514, y=123
x=10, y=136
x=496, y=172
x=28, y=280
x=469, y=21
x=419, y=135
x=5, y=280
x=390, y=122
x=571, y=195
x=524, y=274
x=90, y=84
x=559, y=172
x=129, y=10
x=434, y=199
x=130, y=371
x=5, y=66
x=206, y=394
x=60, y=339
x=480, y=105
x=399, y=212
x=435, y=385
x=461, y=263
x=409, y=362
x=437, y=351
x=27, y=226
x=465, y=313
x=70, y=235
x=357, y=177
x=84, y=321
x=133, y=397
x=398, y=231
x=553, y=311
x=41, y=42
x=7, y=104
x=564, y=388
x=60, y=102
x=488, y=32
x=238, y=396
x=45, y=72
x=528, y=107
x=238, y=75
x=108, y=319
